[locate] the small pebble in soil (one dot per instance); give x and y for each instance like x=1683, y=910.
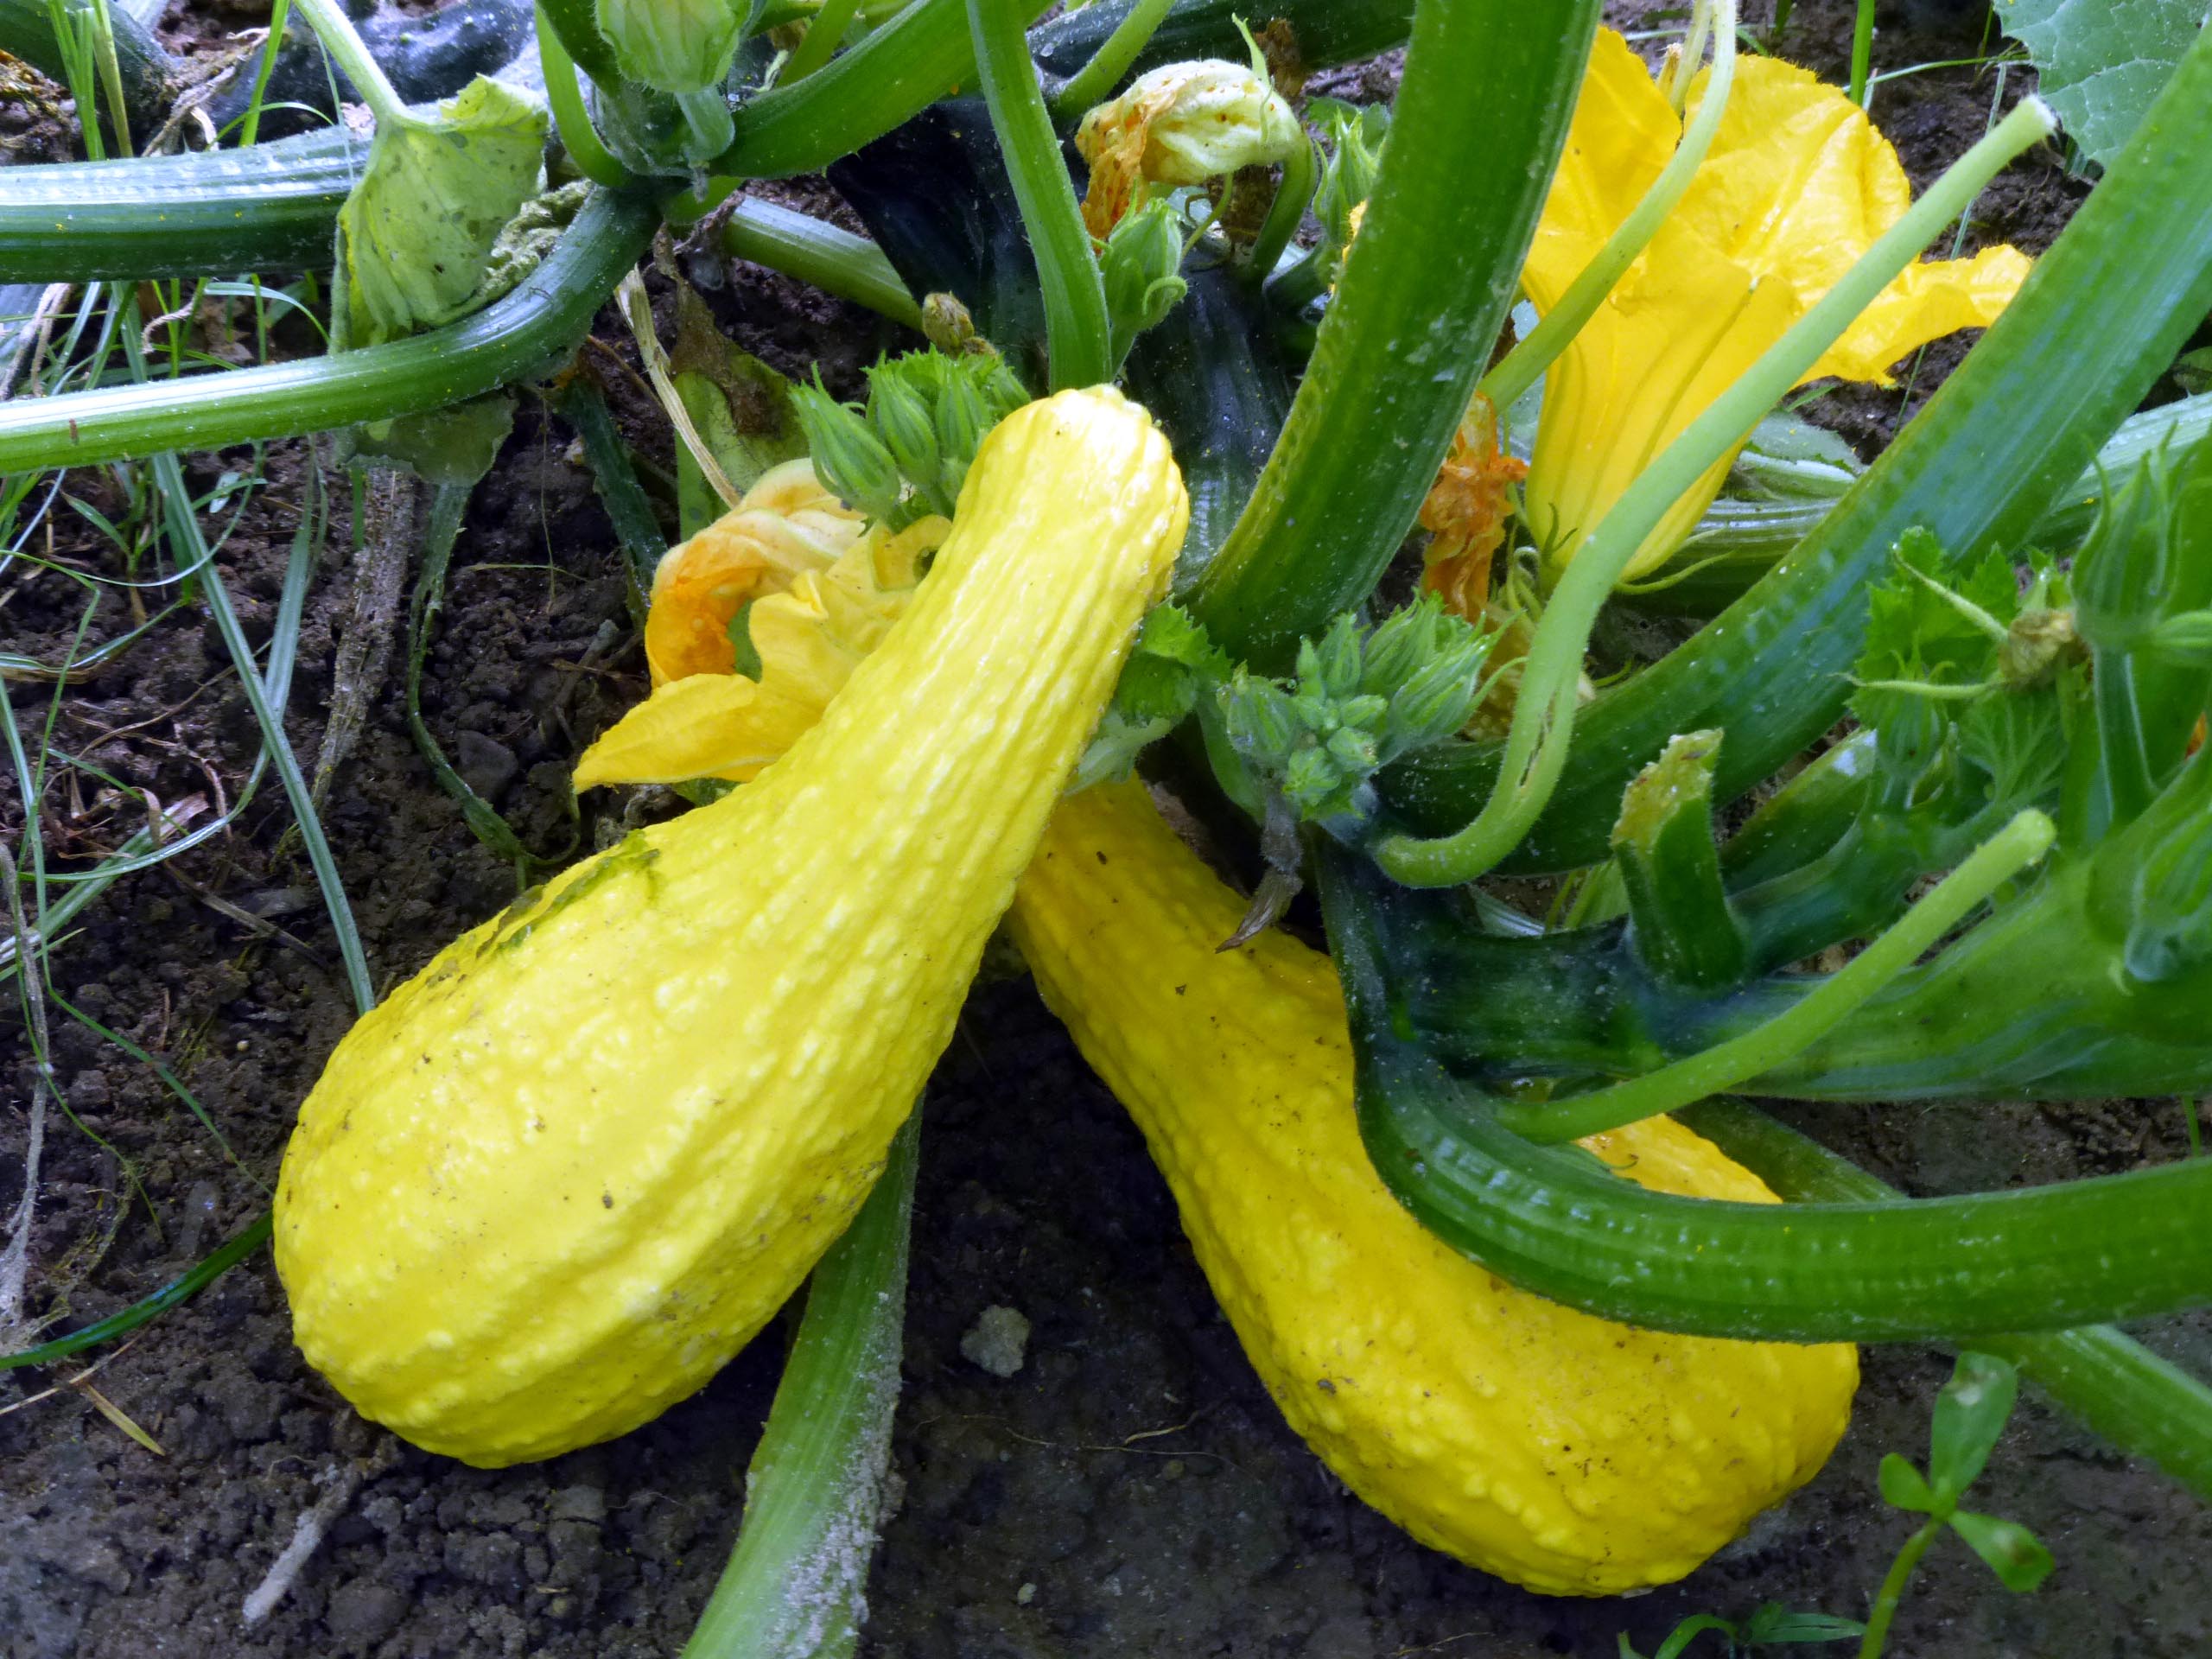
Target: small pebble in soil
x=998, y=1341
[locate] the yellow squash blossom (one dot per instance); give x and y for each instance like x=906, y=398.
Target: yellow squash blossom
x=787, y=524
x=1181, y=123
x=823, y=587
x=1798, y=184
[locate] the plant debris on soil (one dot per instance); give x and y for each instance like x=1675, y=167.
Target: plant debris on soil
x=1128, y=1489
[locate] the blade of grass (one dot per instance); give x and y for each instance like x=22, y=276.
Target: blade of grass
x=196, y=1278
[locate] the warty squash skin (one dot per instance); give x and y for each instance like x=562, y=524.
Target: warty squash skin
x=1570, y=1455
x=567, y=1171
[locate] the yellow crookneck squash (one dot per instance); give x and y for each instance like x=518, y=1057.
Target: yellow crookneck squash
x=1567, y=1454
x=568, y=1170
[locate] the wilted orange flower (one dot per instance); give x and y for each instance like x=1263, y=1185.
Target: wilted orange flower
x=1466, y=511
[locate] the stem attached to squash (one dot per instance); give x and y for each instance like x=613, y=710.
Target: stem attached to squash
x=1504, y=385
x=1076, y=321
x=814, y=1495
x=1544, y=713
x=1479, y=120
x=2021, y=844
x=2007, y=435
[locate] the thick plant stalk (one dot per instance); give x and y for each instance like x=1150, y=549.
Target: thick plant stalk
x=924, y=53
x=2097, y=1374
x=218, y=212
x=1730, y=1063
x=1424, y=294
x=528, y=331
x=1076, y=329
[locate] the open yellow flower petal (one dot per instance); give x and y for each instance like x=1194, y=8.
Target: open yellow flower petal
x=704, y=726
x=1622, y=134
x=1672, y=338
x=786, y=525
x=1797, y=186
x=811, y=629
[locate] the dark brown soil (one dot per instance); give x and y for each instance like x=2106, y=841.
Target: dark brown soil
x=1130, y=1491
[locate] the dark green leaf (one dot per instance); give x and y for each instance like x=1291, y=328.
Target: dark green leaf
x=2014, y=1554
x=1970, y=1413
x=1902, y=1487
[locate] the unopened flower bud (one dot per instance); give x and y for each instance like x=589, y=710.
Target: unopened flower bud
x=902, y=419
x=1262, y=725
x=1336, y=661
x=1436, y=701
x=1355, y=160
x=1400, y=646
x=947, y=325
x=960, y=421
x=847, y=457
x=1141, y=268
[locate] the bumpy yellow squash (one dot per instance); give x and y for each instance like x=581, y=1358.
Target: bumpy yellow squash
x=569, y=1168
x=1567, y=1454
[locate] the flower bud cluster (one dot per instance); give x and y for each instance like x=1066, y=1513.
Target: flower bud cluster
x=1359, y=700
x=907, y=452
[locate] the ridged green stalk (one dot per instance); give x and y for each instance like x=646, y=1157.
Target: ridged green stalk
x=1424, y=293
x=2138, y=1402
x=1553, y=1221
